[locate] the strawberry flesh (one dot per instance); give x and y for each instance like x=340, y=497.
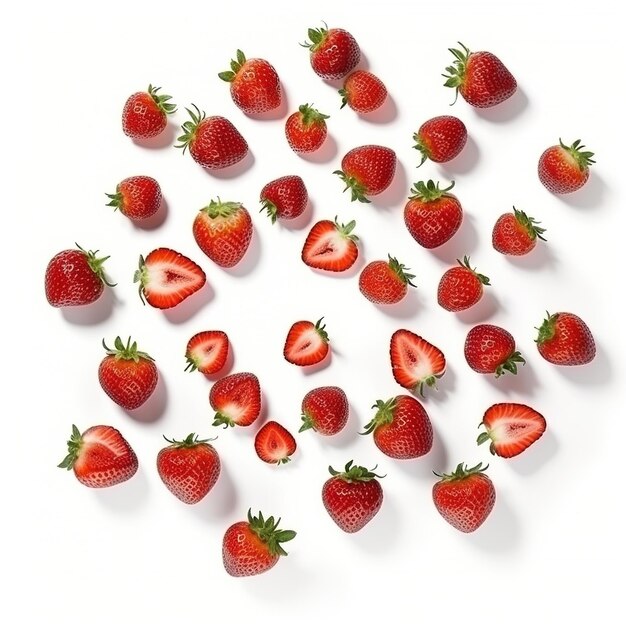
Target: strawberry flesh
x=274, y=443
x=330, y=246
x=207, y=351
x=236, y=399
x=306, y=344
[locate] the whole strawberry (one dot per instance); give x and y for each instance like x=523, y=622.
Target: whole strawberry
x=284, y=198
x=564, y=169
x=491, y=350
x=363, y=92
x=254, y=84
x=236, y=399
x=440, y=139
x=325, y=410
x=516, y=234
x=306, y=129
x=274, y=443
x=461, y=287
x=137, y=197
x=189, y=468
x=145, y=113
x=207, y=352
x=306, y=343
x=331, y=246
x=564, y=339
x=334, y=52
x=385, y=282
x=367, y=171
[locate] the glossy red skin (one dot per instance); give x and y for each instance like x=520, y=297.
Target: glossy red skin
x=319, y=249
x=487, y=347
x=256, y=87
x=127, y=383
x=141, y=117
x=352, y=504
x=242, y=389
x=510, y=237
x=274, y=443
x=560, y=172
x=219, y=346
x=288, y=194
x=217, y=143
x=70, y=281
x=572, y=344
x=444, y=137
x=335, y=56
x=487, y=81
x=141, y=197
x=380, y=284
x=296, y=351
x=304, y=137
x=327, y=408
x=433, y=223
x=364, y=91
x=243, y=552
x=372, y=166
x=459, y=289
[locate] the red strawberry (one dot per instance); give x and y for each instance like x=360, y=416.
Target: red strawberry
x=306, y=343
x=325, y=410
x=207, y=352
x=465, y=497
x=461, y=287
x=128, y=376
x=352, y=497
x=363, y=92
x=432, y=215
x=137, y=197
x=306, y=129
x=385, y=282
x=415, y=362
x=367, y=171
x=75, y=278
x=516, y=233
x=440, y=139
x=274, y=443
x=334, y=52
x=167, y=277
x=491, y=350
x=564, y=339
x=100, y=457
x=189, y=468
x=284, y=198
x=480, y=77
x=254, y=84
x=401, y=427
x=511, y=428
x=563, y=169
x=253, y=547
x=331, y=246
x=145, y=113
x=236, y=399
x=213, y=141
x=223, y=230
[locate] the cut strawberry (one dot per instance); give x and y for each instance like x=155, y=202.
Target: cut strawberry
x=236, y=400
x=331, y=246
x=274, y=443
x=207, y=352
x=306, y=343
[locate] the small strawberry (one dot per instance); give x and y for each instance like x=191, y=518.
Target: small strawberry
x=401, y=427
x=334, y=52
x=465, y=497
x=306, y=129
x=325, y=410
x=432, y=215
x=385, y=282
x=440, y=139
x=363, y=92
x=516, y=233
x=480, y=77
x=145, y=113
x=223, y=231
x=284, y=198
x=563, y=169
x=189, y=468
x=415, y=362
x=236, y=399
x=491, y=350
x=254, y=84
x=274, y=443
x=128, y=376
x=331, y=246
x=137, y=197
x=207, y=352
x=100, y=457
x=306, y=343
x=461, y=287
x=352, y=497
x=511, y=428
x=367, y=171
x=564, y=339
x=213, y=142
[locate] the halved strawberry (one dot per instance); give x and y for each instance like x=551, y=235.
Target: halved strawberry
x=236, y=400
x=306, y=343
x=274, y=443
x=207, y=351
x=415, y=362
x=331, y=246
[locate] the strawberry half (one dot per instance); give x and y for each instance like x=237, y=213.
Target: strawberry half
x=306, y=343
x=331, y=246
x=207, y=352
x=274, y=443
x=236, y=400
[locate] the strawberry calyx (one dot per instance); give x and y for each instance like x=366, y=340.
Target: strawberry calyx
x=267, y=531
x=271, y=208
x=126, y=352
x=481, y=277
x=583, y=158
x=343, y=92
x=311, y=116
x=190, y=441
x=96, y=264
x=547, y=330
x=307, y=423
x=162, y=101
x=429, y=191
x=529, y=224
x=345, y=230
x=190, y=127
x=221, y=419
x=357, y=188
x=217, y=208
x=117, y=200
x=455, y=76
x=384, y=415
x=400, y=271
x=510, y=365
x=141, y=277
x=235, y=65
x=355, y=473
x=462, y=472
x=317, y=37
x=74, y=445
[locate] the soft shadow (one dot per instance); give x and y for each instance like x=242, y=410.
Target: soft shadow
x=307, y=370
x=466, y=161
x=534, y=459
x=363, y=64
x=486, y=307
x=191, y=306
x=275, y=114
x=348, y=435
x=507, y=110
x=325, y=153
x=164, y=140
x=127, y=497
x=387, y=112
x=525, y=382
x=542, y=257
x=234, y=170
x=591, y=196
x=228, y=366
x=154, y=407
x=382, y=532
x=464, y=241
x=220, y=502
x=595, y=374
x=501, y=531
x=302, y=221
x=351, y=272
x=396, y=193
x=250, y=259
x=422, y=467
x=154, y=221
x=91, y=314
x=445, y=386
x=407, y=308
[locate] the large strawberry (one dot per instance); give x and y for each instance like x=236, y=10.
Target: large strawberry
x=334, y=52
x=563, y=169
x=490, y=349
x=331, y=246
x=306, y=129
x=145, y=113
x=274, y=443
x=564, y=339
x=325, y=410
x=137, y=197
x=236, y=399
x=385, y=282
x=207, y=352
x=367, y=171
x=363, y=92
x=516, y=234
x=306, y=343
x=440, y=139
x=284, y=198
x=461, y=287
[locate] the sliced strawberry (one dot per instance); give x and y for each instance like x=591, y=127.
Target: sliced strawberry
x=236, y=399
x=306, y=343
x=331, y=246
x=207, y=352
x=274, y=443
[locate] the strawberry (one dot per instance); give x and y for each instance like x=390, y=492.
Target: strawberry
x=516, y=233
x=236, y=399
x=253, y=547
x=563, y=169
x=331, y=246
x=334, y=52
x=352, y=497
x=511, y=428
x=491, y=350
x=137, y=197
x=274, y=443
x=363, y=92
x=465, y=497
x=440, y=139
x=306, y=343
x=564, y=339
x=254, y=84
x=401, y=427
x=432, y=215
x=207, y=352
x=325, y=410
x=223, y=230
x=415, y=362
x=284, y=198
x=75, y=278
x=145, y=113
x=213, y=142
x=385, y=282
x=461, y=287
x=167, y=277
x=100, y=457
x=306, y=129
x=480, y=77
x=367, y=171
x=128, y=376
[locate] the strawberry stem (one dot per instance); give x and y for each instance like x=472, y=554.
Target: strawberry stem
x=481, y=277
x=357, y=189
x=96, y=264
x=235, y=66
x=462, y=472
x=429, y=191
x=268, y=532
x=583, y=158
x=455, y=76
x=400, y=271
x=547, y=329
x=188, y=442
x=345, y=230
x=311, y=116
x=126, y=352
x=529, y=224
x=190, y=127
x=317, y=37
x=510, y=365
x=355, y=473
x=74, y=445
x=217, y=208
x=162, y=101
x=384, y=415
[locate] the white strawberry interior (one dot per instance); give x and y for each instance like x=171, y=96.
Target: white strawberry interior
x=233, y=410
x=162, y=277
x=332, y=245
x=309, y=341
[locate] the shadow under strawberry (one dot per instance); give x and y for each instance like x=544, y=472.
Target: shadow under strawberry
x=127, y=497
x=191, y=306
x=154, y=407
x=221, y=502
x=91, y=314
x=464, y=163
x=154, y=221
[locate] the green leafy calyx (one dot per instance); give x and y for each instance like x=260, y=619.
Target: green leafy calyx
x=510, y=365
x=311, y=116
x=462, y=472
x=96, y=264
x=355, y=473
x=268, y=532
x=128, y=352
x=547, y=330
x=429, y=191
x=466, y=264
x=190, y=127
x=74, y=445
x=235, y=65
x=356, y=187
x=529, y=224
x=190, y=441
x=317, y=37
x=401, y=271
x=455, y=75
x=217, y=208
x=584, y=158
x=345, y=230
x=384, y=415
x=319, y=329
x=162, y=101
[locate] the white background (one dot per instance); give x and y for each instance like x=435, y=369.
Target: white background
x=134, y=554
